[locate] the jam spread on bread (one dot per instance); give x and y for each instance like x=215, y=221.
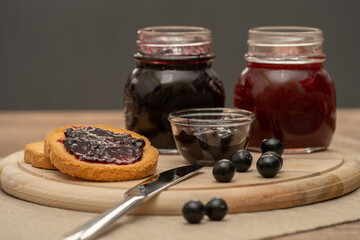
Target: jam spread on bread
x=97, y=145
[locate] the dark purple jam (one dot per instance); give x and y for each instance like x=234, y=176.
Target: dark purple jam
x=156, y=88
x=96, y=145
x=209, y=145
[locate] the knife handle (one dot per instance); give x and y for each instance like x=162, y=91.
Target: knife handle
x=97, y=226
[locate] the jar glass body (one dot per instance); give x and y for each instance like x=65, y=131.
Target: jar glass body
x=157, y=87
x=173, y=72
x=293, y=100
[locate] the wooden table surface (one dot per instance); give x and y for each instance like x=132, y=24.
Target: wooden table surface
x=20, y=127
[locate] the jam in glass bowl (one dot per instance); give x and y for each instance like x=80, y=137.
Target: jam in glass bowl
x=207, y=135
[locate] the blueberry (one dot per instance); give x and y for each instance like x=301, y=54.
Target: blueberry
x=226, y=140
x=268, y=166
x=216, y=209
x=224, y=171
x=242, y=160
x=275, y=155
x=273, y=145
x=193, y=211
x=202, y=138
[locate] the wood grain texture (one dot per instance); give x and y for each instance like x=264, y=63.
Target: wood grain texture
x=303, y=179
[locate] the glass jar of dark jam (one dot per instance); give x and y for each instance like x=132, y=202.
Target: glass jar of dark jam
x=285, y=85
x=173, y=72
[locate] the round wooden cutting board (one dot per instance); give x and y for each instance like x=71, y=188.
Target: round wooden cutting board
x=304, y=179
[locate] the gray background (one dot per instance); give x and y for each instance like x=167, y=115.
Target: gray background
x=72, y=54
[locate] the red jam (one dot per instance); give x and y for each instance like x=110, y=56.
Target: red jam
x=295, y=103
x=96, y=145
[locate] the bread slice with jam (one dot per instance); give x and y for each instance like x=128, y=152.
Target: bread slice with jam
x=101, y=153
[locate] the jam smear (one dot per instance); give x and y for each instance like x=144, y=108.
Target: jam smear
x=293, y=103
x=96, y=145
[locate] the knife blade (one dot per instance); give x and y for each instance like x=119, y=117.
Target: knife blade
x=133, y=197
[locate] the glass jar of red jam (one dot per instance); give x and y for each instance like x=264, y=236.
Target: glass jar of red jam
x=173, y=72
x=285, y=85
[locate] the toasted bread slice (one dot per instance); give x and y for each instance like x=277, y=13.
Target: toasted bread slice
x=34, y=154
x=68, y=163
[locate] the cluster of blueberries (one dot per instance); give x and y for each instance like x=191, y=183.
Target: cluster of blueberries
x=268, y=165
x=194, y=210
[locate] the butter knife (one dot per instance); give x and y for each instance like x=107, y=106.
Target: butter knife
x=133, y=197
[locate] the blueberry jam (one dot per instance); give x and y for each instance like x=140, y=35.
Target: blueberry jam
x=96, y=145
x=154, y=89
x=173, y=72
x=208, y=145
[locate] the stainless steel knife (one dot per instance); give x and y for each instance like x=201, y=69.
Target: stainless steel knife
x=143, y=191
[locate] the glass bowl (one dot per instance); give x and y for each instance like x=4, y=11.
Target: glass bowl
x=207, y=135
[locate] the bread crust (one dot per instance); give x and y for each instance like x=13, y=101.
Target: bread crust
x=68, y=163
x=34, y=155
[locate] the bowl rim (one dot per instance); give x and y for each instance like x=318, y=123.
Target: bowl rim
x=244, y=117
